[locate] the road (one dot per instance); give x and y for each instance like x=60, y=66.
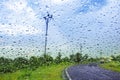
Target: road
x=91, y=72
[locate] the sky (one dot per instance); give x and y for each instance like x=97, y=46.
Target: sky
x=87, y=26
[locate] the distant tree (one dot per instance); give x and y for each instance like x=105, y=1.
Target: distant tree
x=48, y=59
x=118, y=58
x=114, y=58
x=65, y=59
x=41, y=60
x=78, y=57
x=21, y=62
x=94, y=59
x=6, y=65
x=85, y=57
x=72, y=58
x=33, y=62
x=58, y=58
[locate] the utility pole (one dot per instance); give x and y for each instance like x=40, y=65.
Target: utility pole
x=47, y=20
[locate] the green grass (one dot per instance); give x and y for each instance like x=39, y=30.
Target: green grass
x=52, y=72
x=114, y=66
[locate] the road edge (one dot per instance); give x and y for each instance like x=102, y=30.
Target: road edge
x=67, y=75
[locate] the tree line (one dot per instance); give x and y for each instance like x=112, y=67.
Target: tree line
x=8, y=65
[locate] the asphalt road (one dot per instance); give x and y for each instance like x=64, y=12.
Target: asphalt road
x=91, y=72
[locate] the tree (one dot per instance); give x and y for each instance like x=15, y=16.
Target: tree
x=21, y=62
x=72, y=58
x=33, y=62
x=58, y=58
x=6, y=65
x=78, y=57
x=85, y=57
x=118, y=58
x=41, y=61
x=48, y=59
x=65, y=59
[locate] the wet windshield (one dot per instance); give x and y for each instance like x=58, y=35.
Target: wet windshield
x=86, y=26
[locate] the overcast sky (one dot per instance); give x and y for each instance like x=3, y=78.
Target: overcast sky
x=92, y=24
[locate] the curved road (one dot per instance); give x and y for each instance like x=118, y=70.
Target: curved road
x=91, y=72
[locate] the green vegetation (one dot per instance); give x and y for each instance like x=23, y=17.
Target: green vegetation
x=113, y=65
x=40, y=68
x=48, y=68
x=52, y=72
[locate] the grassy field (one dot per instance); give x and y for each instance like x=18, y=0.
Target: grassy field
x=114, y=66
x=52, y=72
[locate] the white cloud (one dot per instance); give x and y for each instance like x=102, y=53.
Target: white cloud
x=59, y=1
x=20, y=8
x=16, y=6
x=21, y=19
x=18, y=29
